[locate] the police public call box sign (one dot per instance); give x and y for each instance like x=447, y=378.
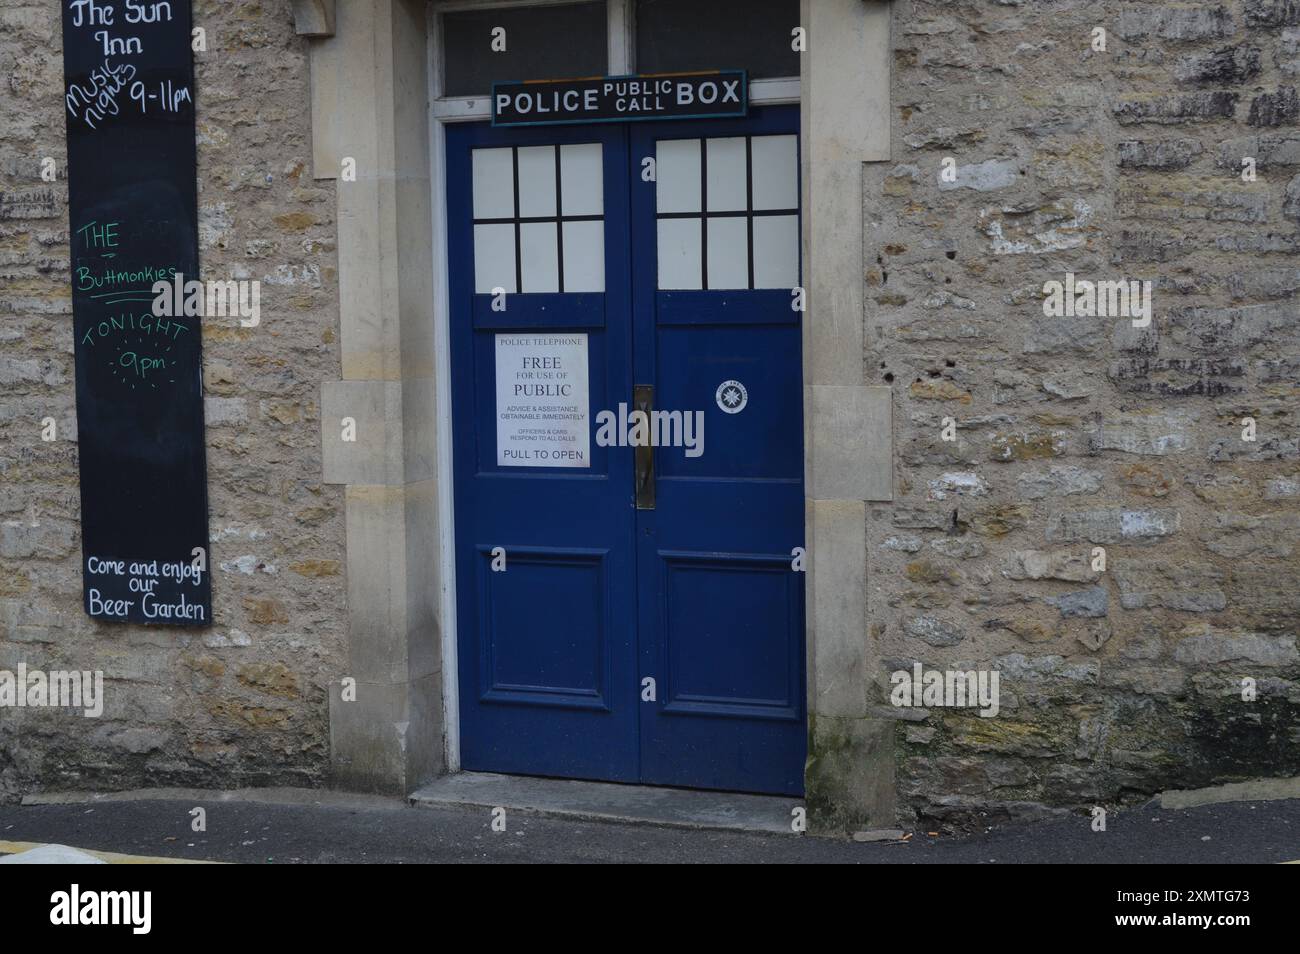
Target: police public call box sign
x=132, y=207
x=619, y=99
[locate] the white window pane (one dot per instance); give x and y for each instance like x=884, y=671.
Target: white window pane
x=536, y=181
x=494, y=258
x=726, y=175
x=494, y=183
x=538, y=260
x=776, y=251
x=582, y=179
x=776, y=172
x=677, y=175
x=584, y=256
x=679, y=253
x=728, y=253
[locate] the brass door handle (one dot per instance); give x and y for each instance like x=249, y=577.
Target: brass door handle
x=643, y=399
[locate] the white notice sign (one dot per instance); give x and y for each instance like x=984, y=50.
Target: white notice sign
x=543, y=408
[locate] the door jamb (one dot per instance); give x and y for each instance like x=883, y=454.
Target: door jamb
x=468, y=109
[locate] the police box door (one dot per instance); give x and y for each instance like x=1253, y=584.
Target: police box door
x=629, y=612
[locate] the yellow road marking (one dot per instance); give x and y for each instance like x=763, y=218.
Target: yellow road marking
x=110, y=857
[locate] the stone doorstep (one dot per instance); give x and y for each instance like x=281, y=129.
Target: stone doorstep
x=608, y=801
x=1256, y=790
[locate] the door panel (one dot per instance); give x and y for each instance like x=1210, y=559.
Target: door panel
x=547, y=645
x=721, y=610
x=545, y=632
x=683, y=284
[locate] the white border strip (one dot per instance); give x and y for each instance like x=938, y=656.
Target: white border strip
x=471, y=109
x=769, y=92
x=442, y=342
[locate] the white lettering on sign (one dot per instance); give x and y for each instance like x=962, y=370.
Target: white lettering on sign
x=543, y=403
x=95, y=97
x=619, y=98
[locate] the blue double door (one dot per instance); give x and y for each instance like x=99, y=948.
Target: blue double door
x=627, y=612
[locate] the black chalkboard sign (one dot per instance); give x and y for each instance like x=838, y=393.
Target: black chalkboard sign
x=129, y=77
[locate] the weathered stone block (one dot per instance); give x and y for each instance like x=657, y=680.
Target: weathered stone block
x=999, y=521
x=1161, y=154
x=1181, y=23
x=1027, y=445
x=903, y=543
x=1091, y=603
x=957, y=484
x=1177, y=110
x=1269, y=150
x=1205, y=645
x=1054, y=226
x=935, y=631
x=1055, y=336
x=1155, y=434
x=1069, y=385
x=1148, y=246
x=44, y=539
x=1271, y=13
x=1177, y=377
x=1058, y=481
x=1281, y=107
x=1226, y=66
x=223, y=412
x=987, y=176
x=1236, y=535
x=1071, y=565
x=1092, y=634
x=1291, y=199
x=849, y=776
x=30, y=204
x=1175, y=586
x=1113, y=525
x=959, y=548
x=911, y=519
x=1227, y=330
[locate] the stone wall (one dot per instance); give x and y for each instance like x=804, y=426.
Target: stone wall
x=1069, y=433
x=1079, y=432
x=244, y=702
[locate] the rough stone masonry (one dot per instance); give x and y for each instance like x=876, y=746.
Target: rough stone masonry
x=1074, y=433
x=244, y=702
x=1023, y=152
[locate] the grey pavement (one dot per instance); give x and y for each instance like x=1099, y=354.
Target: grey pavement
x=321, y=828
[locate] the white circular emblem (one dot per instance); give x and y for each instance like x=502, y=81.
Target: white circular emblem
x=732, y=397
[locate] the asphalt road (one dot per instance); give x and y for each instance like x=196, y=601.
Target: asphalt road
x=1262, y=832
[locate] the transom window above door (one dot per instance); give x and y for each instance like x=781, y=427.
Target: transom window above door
x=539, y=219
x=728, y=212
x=479, y=43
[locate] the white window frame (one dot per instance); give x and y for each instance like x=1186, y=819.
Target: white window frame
x=452, y=109
x=622, y=52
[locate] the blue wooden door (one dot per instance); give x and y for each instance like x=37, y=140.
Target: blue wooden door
x=653, y=636
x=547, y=640
x=721, y=608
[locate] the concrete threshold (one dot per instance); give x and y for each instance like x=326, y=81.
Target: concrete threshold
x=607, y=801
x=1256, y=790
